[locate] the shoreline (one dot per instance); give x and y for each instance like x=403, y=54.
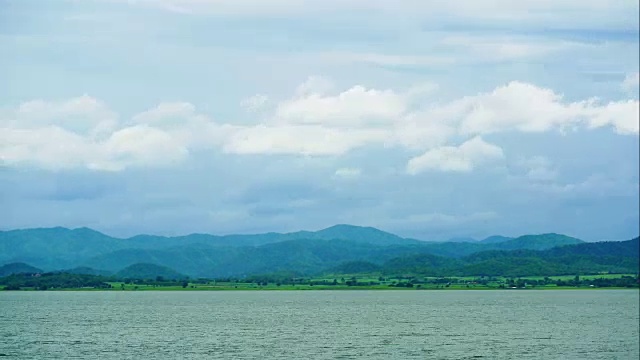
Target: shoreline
x=169, y=289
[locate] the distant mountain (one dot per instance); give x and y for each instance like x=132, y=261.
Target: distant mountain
x=537, y=242
x=149, y=271
x=57, y=248
x=354, y=267
x=18, y=268
x=54, y=248
x=532, y=242
x=83, y=270
x=462, y=239
x=343, y=247
x=421, y=264
x=366, y=235
x=630, y=248
x=495, y=239
x=193, y=260
x=582, y=258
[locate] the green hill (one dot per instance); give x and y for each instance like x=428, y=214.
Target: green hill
x=354, y=267
x=18, y=268
x=341, y=247
x=54, y=248
x=62, y=248
x=537, y=242
x=83, y=270
x=495, y=239
x=583, y=258
x=149, y=271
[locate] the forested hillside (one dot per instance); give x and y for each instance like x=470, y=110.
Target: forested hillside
x=338, y=249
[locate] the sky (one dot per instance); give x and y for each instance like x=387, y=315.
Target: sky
x=430, y=119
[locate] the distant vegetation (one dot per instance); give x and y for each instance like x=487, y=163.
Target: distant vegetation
x=54, y=281
x=283, y=281
x=338, y=250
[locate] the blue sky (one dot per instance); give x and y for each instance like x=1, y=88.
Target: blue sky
x=422, y=118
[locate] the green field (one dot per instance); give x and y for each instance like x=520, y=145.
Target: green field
x=374, y=283
x=63, y=281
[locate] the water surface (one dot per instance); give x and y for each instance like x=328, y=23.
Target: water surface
x=547, y=324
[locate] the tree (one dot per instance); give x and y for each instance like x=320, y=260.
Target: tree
x=185, y=284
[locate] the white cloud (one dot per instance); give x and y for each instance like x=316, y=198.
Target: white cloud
x=83, y=132
x=47, y=147
x=464, y=158
x=356, y=106
x=525, y=107
x=622, y=116
x=140, y=145
x=83, y=114
x=185, y=125
x=315, y=121
x=295, y=139
x=516, y=106
x=422, y=130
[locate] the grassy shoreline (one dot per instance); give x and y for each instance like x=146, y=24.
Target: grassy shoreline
x=323, y=288
x=70, y=282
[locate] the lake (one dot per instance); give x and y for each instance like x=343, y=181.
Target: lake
x=412, y=324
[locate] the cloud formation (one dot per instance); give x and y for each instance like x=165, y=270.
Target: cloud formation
x=315, y=121
x=463, y=158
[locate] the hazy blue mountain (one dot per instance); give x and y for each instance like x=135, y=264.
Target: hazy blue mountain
x=583, y=258
x=306, y=252
x=303, y=256
x=193, y=260
x=367, y=235
x=462, y=239
x=354, y=267
x=532, y=242
x=537, y=242
x=54, y=248
x=84, y=270
x=630, y=248
x=361, y=234
x=422, y=264
x=58, y=248
x=18, y=268
x=309, y=257
x=495, y=239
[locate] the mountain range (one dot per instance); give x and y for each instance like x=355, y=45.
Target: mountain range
x=340, y=248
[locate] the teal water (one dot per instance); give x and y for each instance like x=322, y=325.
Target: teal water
x=529, y=324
